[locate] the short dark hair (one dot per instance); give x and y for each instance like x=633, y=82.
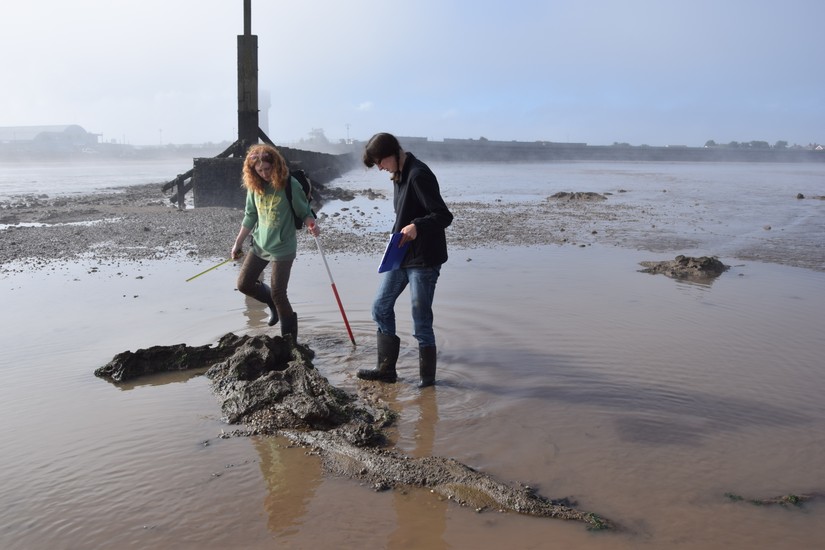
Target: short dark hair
x=379, y=147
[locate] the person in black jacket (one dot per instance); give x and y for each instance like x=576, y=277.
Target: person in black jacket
x=421, y=217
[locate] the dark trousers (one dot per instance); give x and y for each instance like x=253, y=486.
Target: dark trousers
x=251, y=271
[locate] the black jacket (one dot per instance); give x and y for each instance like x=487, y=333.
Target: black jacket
x=417, y=199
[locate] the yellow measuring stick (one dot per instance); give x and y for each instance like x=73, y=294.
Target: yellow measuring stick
x=210, y=269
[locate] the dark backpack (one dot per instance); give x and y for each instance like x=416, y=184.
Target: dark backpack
x=306, y=185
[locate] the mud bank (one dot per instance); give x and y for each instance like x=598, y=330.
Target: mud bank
x=138, y=223
x=269, y=385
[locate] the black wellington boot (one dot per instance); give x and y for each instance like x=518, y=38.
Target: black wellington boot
x=290, y=326
x=426, y=366
x=388, y=346
x=264, y=294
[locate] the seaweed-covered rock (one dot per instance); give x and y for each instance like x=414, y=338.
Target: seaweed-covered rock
x=700, y=269
x=790, y=499
x=578, y=196
x=128, y=365
x=270, y=384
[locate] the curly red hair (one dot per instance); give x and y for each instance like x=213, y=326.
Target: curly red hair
x=280, y=172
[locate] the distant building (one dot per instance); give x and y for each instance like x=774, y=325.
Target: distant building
x=69, y=138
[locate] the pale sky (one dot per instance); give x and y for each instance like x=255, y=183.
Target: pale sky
x=654, y=72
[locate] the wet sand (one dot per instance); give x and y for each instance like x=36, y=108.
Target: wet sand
x=561, y=366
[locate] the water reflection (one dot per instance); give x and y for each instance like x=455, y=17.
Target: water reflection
x=291, y=481
x=700, y=280
x=255, y=312
x=421, y=515
x=161, y=378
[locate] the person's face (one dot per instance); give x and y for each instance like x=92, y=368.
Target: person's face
x=263, y=166
x=390, y=164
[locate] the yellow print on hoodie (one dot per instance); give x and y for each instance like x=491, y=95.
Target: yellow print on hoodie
x=268, y=210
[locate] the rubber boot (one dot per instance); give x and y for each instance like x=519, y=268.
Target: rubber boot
x=426, y=366
x=388, y=346
x=290, y=326
x=264, y=294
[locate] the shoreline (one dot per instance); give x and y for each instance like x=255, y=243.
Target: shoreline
x=139, y=223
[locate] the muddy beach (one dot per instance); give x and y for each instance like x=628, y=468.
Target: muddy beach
x=139, y=223
x=566, y=368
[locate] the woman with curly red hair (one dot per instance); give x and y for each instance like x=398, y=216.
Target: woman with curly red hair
x=268, y=218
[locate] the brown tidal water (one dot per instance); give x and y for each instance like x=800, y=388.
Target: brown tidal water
x=642, y=398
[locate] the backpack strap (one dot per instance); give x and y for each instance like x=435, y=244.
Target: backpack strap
x=288, y=191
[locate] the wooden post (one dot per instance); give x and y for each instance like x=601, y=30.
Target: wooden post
x=181, y=194
x=247, y=83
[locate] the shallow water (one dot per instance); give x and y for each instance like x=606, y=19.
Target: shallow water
x=66, y=178
x=643, y=398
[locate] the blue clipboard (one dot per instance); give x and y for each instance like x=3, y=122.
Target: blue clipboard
x=393, y=255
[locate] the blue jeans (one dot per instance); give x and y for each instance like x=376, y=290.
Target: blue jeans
x=422, y=282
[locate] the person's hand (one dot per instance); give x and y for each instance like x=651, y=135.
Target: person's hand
x=312, y=227
x=408, y=233
x=237, y=252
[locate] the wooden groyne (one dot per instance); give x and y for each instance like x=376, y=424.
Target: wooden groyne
x=216, y=181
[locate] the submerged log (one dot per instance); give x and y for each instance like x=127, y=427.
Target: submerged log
x=269, y=385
